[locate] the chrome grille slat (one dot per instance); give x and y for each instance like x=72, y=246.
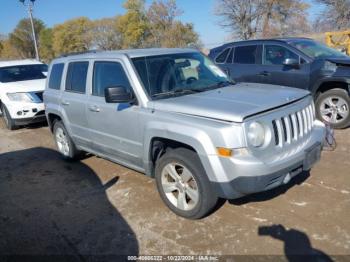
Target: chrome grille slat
x=294, y=121
x=294, y=126
x=305, y=121
x=279, y=130
x=288, y=129
x=310, y=117
x=301, y=124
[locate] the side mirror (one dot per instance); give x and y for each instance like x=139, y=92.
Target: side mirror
x=291, y=62
x=118, y=94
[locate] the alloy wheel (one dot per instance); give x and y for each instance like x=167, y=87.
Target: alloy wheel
x=62, y=141
x=180, y=186
x=334, y=109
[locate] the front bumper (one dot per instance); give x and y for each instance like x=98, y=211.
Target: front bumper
x=245, y=175
x=26, y=113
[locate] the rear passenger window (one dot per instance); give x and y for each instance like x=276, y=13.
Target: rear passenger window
x=108, y=74
x=222, y=57
x=56, y=76
x=76, y=77
x=246, y=54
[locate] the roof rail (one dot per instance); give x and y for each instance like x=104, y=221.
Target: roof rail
x=80, y=53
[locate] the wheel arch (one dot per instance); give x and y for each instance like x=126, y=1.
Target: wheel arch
x=328, y=84
x=158, y=138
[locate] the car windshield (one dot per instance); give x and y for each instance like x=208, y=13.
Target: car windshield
x=316, y=50
x=179, y=74
x=23, y=73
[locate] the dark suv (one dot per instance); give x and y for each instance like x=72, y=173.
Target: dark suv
x=295, y=62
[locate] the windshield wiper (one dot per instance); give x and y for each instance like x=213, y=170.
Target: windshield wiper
x=219, y=85
x=177, y=91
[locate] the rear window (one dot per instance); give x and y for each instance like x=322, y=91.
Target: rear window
x=76, y=77
x=56, y=76
x=246, y=54
x=22, y=73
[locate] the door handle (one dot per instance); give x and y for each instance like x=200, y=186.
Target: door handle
x=94, y=109
x=264, y=73
x=65, y=103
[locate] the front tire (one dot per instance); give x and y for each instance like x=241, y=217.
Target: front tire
x=7, y=119
x=183, y=184
x=333, y=107
x=64, y=143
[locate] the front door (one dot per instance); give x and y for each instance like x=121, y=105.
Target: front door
x=114, y=128
x=277, y=73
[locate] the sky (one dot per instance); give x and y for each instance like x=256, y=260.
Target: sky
x=52, y=12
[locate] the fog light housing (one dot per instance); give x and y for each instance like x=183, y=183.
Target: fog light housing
x=19, y=113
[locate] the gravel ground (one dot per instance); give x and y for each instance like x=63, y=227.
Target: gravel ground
x=95, y=207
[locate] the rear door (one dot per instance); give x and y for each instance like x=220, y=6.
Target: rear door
x=276, y=73
x=73, y=102
x=114, y=127
x=246, y=64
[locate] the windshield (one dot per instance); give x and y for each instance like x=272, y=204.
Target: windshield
x=23, y=73
x=179, y=74
x=315, y=49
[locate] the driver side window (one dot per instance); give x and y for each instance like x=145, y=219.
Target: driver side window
x=276, y=55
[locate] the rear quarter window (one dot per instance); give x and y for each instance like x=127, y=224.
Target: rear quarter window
x=222, y=56
x=56, y=76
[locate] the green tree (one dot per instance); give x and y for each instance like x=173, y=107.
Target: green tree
x=161, y=16
x=72, y=36
x=9, y=51
x=181, y=35
x=46, y=50
x=105, y=35
x=133, y=24
x=165, y=30
x=22, y=38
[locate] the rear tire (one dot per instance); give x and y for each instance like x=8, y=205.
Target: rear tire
x=7, y=119
x=333, y=107
x=64, y=143
x=183, y=184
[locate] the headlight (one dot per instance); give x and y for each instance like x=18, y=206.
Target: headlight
x=256, y=134
x=329, y=66
x=19, y=97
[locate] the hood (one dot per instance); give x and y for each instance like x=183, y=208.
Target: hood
x=340, y=61
x=25, y=86
x=232, y=103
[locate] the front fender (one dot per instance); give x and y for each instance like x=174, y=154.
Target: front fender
x=321, y=81
x=191, y=136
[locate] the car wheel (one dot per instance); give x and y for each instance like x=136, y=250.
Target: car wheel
x=333, y=107
x=183, y=184
x=64, y=143
x=8, y=121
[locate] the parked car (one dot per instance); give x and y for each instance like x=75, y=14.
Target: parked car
x=174, y=115
x=22, y=83
x=296, y=62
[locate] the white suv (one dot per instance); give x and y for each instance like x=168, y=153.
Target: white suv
x=22, y=84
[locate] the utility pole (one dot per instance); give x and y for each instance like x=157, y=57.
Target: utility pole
x=30, y=6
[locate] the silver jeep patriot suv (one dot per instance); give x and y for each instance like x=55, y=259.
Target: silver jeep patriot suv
x=174, y=115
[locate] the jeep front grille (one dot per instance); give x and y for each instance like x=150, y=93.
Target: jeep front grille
x=293, y=127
